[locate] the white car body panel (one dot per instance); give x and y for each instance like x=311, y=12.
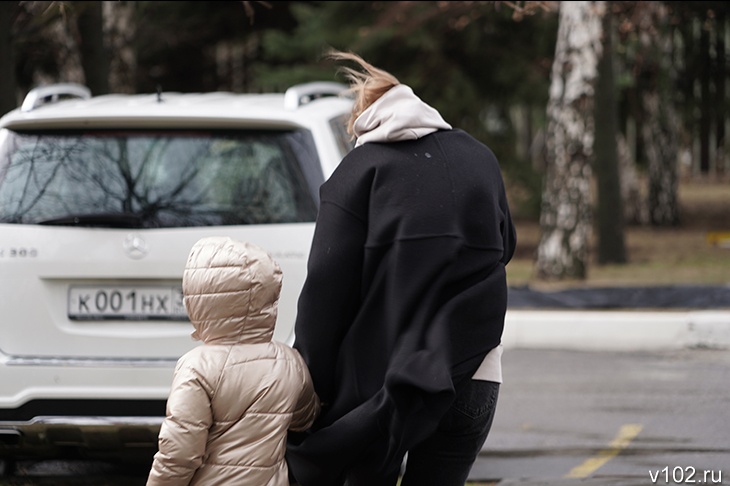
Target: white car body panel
x=57, y=257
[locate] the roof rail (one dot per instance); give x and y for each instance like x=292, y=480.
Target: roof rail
x=52, y=93
x=301, y=94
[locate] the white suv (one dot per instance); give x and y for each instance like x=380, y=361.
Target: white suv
x=101, y=199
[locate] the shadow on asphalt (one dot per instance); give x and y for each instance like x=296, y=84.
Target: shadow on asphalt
x=648, y=297
x=76, y=472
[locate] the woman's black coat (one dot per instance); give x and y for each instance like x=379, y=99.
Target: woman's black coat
x=405, y=295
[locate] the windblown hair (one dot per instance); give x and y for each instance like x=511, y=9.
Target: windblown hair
x=367, y=84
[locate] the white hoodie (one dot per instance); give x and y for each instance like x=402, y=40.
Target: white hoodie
x=397, y=115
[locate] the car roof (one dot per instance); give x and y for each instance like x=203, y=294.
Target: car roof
x=300, y=106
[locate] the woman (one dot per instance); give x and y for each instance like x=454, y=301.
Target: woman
x=401, y=315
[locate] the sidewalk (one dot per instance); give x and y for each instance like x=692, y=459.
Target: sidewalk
x=612, y=330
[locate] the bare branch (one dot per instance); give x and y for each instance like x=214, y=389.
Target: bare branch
x=248, y=8
x=523, y=9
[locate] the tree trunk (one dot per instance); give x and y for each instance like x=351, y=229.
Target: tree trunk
x=661, y=152
x=687, y=82
x=633, y=203
x=609, y=211
x=119, y=26
x=720, y=79
x=94, y=55
x=565, y=219
x=8, y=82
x=661, y=124
x=62, y=34
x=705, y=101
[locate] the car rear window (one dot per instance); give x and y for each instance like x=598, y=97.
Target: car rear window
x=158, y=179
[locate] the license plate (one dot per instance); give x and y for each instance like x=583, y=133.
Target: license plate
x=126, y=302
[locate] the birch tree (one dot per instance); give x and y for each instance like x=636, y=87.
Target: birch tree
x=565, y=218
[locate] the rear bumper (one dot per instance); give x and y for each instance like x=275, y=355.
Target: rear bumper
x=76, y=436
x=53, y=407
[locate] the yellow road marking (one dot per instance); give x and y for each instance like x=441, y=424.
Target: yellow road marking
x=719, y=238
x=624, y=437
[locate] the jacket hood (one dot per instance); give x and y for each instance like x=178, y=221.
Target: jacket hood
x=397, y=115
x=231, y=291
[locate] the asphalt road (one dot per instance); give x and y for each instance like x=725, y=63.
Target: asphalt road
x=611, y=418
x=563, y=418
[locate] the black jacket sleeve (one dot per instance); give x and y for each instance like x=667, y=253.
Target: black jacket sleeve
x=331, y=294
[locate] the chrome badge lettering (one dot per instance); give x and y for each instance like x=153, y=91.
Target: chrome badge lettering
x=18, y=252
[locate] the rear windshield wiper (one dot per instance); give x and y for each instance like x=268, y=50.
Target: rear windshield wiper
x=101, y=220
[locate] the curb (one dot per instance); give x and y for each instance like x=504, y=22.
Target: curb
x=609, y=330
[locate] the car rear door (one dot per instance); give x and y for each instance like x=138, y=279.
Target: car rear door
x=95, y=228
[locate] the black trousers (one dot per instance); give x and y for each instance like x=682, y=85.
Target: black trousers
x=447, y=456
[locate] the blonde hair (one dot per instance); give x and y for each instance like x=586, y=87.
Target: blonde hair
x=367, y=84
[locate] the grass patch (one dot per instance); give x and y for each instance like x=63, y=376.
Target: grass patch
x=683, y=255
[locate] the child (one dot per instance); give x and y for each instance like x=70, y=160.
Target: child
x=233, y=398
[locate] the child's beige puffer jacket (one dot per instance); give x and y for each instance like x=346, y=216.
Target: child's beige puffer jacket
x=233, y=398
